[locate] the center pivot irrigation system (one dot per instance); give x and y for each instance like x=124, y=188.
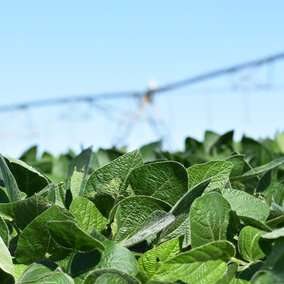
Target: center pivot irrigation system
x=144, y=98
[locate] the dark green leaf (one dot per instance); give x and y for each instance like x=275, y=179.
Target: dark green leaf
x=167, y=181
x=68, y=234
x=209, y=219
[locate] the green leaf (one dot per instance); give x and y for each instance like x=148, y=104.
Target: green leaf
x=256, y=152
x=149, y=151
x=38, y=273
x=267, y=277
x=36, y=240
x=9, y=181
x=68, y=234
x=104, y=276
x=29, y=209
x=218, y=171
x=275, y=234
x=149, y=262
x=271, y=188
x=118, y=257
x=246, y=272
x=119, y=168
x=107, y=196
x=209, y=219
x=154, y=223
x=246, y=205
x=238, y=162
x=275, y=260
x=75, y=185
x=81, y=162
x=87, y=215
x=248, y=243
x=131, y=212
x=4, y=231
x=28, y=179
x=167, y=181
x=248, y=221
x=261, y=169
x=29, y=155
x=182, y=206
x=82, y=262
x=18, y=270
x=180, y=227
x=205, y=264
x=6, y=263
x=229, y=275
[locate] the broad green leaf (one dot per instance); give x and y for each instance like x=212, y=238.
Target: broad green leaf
x=3, y=195
x=271, y=188
x=154, y=223
x=103, y=157
x=248, y=221
x=182, y=206
x=119, y=168
x=273, y=223
x=248, y=243
x=106, y=196
x=9, y=181
x=167, y=181
x=28, y=179
x=131, y=212
x=4, y=231
x=256, y=152
x=6, y=263
x=87, y=215
x=29, y=209
x=229, y=274
x=82, y=262
x=38, y=273
x=81, y=162
x=19, y=270
x=272, y=270
x=29, y=155
x=68, y=234
x=209, y=219
x=75, y=184
x=149, y=151
x=149, y=262
x=238, y=162
x=118, y=257
x=180, y=227
x=246, y=205
x=275, y=234
x=8, y=210
x=223, y=145
x=210, y=138
x=205, y=264
x=267, y=277
x=246, y=272
x=36, y=240
x=275, y=260
x=105, y=276
x=261, y=169
x=218, y=171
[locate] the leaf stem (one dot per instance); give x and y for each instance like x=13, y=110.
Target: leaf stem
x=15, y=227
x=239, y=261
x=68, y=268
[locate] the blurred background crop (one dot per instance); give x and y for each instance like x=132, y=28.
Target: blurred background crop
x=103, y=73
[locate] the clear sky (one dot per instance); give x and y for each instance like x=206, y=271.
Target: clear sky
x=53, y=48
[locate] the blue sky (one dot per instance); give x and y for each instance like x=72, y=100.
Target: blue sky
x=53, y=49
